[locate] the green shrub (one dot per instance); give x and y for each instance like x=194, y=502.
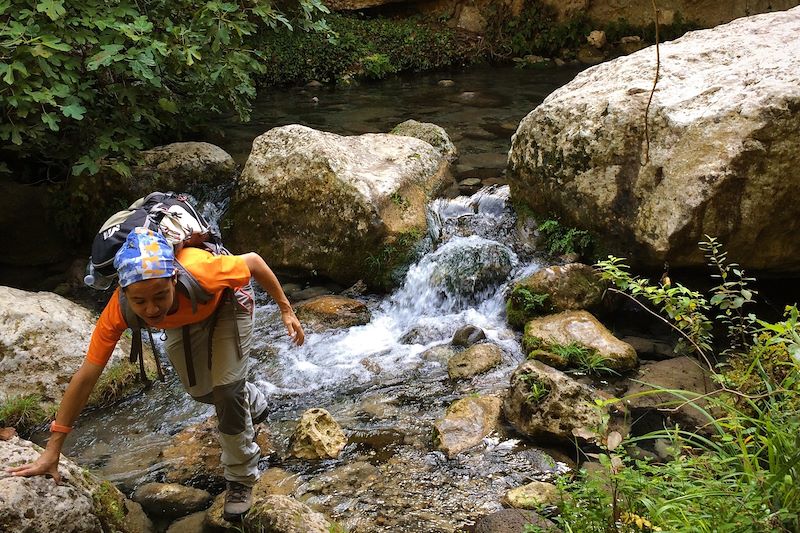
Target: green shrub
x=538, y=390
x=559, y=240
x=741, y=478
x=85, y=83
x=25, y=412
x=524, y=304
x=364, y=47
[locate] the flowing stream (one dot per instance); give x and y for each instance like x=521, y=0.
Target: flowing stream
x=381, y=381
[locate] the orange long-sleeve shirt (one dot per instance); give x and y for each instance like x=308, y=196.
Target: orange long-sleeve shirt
x=215, y=273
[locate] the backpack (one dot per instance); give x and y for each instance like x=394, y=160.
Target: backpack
x=174, y=217
x=168, y=213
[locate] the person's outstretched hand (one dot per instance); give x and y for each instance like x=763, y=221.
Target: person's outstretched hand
x=293, y=327
x=43, y=466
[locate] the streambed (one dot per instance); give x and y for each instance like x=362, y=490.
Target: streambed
x=376, y=379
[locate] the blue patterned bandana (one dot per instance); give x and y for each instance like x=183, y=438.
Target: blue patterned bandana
x=144, y=255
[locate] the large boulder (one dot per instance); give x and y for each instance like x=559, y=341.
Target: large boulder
x=546, y=404
x=463, y=268
x=82, y=503
x=348, y=208
x=546, y=338
x=724, y=125
x=43, y=341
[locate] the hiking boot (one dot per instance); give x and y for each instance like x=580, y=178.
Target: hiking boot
x=237, y=501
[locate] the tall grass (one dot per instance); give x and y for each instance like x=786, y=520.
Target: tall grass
x=741, y=472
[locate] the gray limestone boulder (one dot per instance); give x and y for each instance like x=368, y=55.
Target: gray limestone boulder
x=348, y=208
x=43, y=341
x=724, y=126
x=82, y=503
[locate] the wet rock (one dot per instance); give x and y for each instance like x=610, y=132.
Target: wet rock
x=446, y=83
x=272, y=482
x=348, y=208
x=170, y=500
x=285, y=515
x=467, y=336
x=331, y=312
x=432, y=134
x=589, y=55
x=314, y=84
x=440, y=354
x=317, y=436
x=357, y=289
x=193, y=458
x=680, y=373
x=579, y=327
x=136, y=519
x=351, y=478
x=43, y=343
x=38, y=505
x=650, y=348
x=189, y=524
x=379, y=406
x=310, y=292
x=512, y=521
x=275, y=481
x=475, y=360
x=466, y=267
x=546, y=404
x=465, y=424
x=421, y=334
x=371, y=365
x=569, y=287
x=532, y=496
x=722, y=134
x=631, y=44
x=597, y=38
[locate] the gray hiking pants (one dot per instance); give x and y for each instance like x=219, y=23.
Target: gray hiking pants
x=224, y=386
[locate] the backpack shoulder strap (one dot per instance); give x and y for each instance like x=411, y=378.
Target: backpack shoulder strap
x=191, y=288
x=137, y=350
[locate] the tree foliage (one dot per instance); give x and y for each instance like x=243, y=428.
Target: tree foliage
x=91, y=82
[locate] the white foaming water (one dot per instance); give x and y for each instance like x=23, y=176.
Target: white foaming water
x=462, y=282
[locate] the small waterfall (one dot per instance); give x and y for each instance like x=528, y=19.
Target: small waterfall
x=460, y=281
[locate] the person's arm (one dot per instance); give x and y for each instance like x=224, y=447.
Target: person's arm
x=73, y=402
x=261, y=272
